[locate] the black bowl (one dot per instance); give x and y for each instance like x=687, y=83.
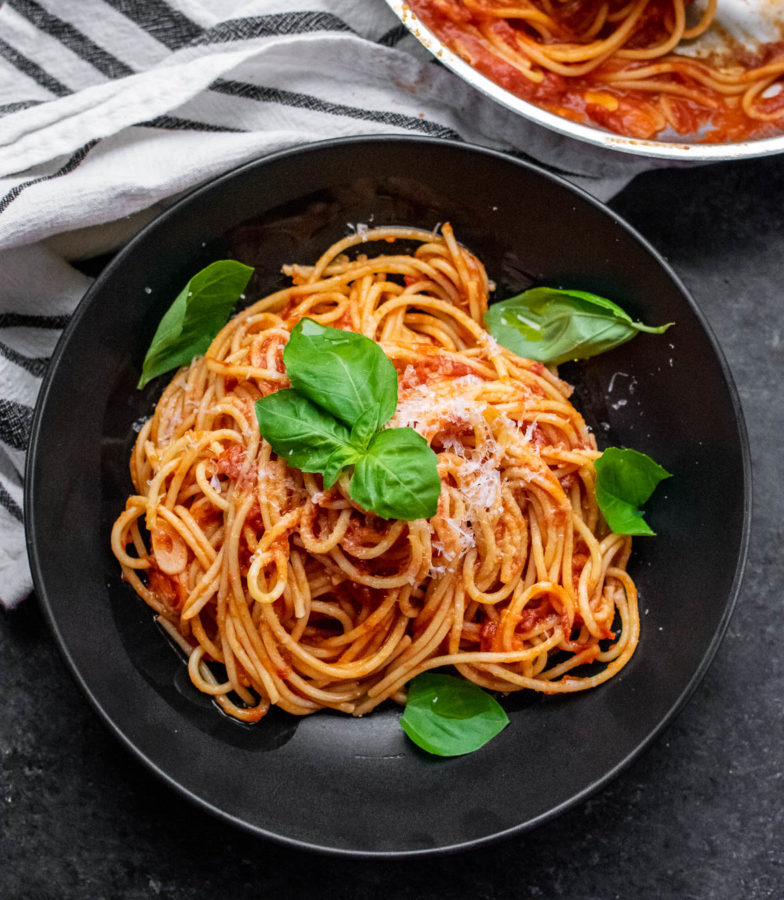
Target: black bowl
x=358, y=786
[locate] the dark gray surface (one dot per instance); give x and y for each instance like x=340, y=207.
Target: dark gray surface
x=699, y=815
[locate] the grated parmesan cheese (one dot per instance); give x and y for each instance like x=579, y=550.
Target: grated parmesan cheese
x=427, y=406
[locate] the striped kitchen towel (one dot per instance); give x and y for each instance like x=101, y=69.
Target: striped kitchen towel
x=109, y=109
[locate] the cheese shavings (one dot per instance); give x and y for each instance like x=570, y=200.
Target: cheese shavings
x=473, y=439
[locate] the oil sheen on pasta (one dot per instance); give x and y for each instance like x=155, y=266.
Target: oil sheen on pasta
x=616, y=64
x=282, y=593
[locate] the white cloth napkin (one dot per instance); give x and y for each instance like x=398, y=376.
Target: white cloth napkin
x=109, y=109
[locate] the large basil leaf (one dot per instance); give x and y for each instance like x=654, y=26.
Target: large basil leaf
x=625, y=479
x=344, y=372
x=300, y=432
x=197, y=314
x=397, y=477
x=554, y=326
x=449, y=716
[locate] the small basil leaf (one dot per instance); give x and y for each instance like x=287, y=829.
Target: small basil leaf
x=625, y=479
x=365, y=427
x=342, y=371
x=300, y=432
x=554, y=326
x=449, y=716
x=197, y=314
x=342, y=456
x=397, y=477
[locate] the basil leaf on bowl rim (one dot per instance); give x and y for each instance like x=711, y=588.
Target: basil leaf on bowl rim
x=195, y=317
x=625, y=479
x=553, y=326
x=449, y=716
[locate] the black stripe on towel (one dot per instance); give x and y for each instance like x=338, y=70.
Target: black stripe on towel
x=273, y=25
x=27, y=320
x=35, y=365
x=8, y=108
x=173, y=123
x=16, y=420
x=67, y=167
x=8, y=502
x=167, y=25
x=72, y=38
x=394, y=36
x=314, y=104
x=32, y=70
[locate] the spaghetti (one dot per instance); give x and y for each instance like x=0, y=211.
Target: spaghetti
x=616, y=63
x=306, y=600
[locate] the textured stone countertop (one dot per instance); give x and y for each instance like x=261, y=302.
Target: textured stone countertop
x=700, y=814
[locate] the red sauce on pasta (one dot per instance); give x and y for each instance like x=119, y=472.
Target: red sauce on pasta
x=555, y=55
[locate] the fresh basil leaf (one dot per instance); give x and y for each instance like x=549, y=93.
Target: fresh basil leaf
x=365, y=427
x=397, y=477
x=344, y=372
x=625, y=479
x=300, y=432
x=197, y=314
x=449, y=716
x=345, y=455
x=554, y=326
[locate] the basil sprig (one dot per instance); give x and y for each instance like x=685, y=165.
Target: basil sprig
x=344, y=389
x=554, y=326
x=197, y=314
x=625, y=479
x=449, y=716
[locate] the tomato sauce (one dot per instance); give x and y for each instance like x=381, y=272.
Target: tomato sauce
x=233, y=464
x=170, y=589
x=589, y=99
x=430, y=362
x=532, y=617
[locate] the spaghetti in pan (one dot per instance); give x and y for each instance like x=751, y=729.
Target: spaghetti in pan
x=621, y=64
x=284, y=591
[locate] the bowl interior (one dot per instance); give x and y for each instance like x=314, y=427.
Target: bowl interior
x=329, y=781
